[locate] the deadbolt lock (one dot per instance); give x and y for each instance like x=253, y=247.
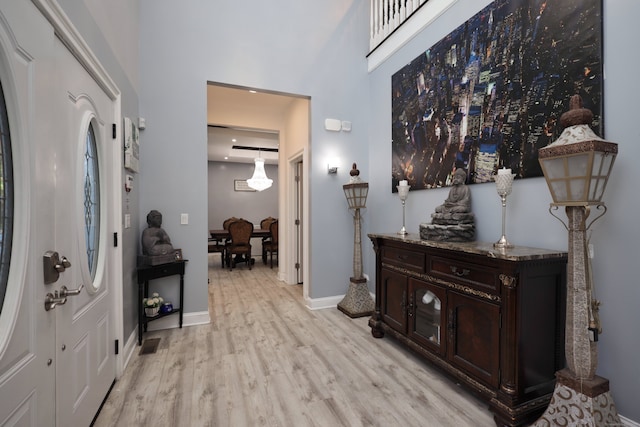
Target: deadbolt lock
x=53, y=265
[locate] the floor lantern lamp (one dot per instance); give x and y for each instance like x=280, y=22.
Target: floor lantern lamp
x=576, y=168
x=358, y=301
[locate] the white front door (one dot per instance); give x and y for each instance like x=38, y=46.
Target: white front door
x=85, y=339
x=57, y=360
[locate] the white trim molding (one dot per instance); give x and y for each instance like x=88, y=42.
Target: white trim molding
x=420, y=19
x=72, y=39
x=188, y=319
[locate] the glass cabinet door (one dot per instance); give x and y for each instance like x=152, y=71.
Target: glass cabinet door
x=427, y=314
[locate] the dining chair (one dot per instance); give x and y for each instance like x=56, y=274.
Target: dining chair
x=240, y=244
x=225, y=243
x=226, y=222
x=272, y=246
x=216, y=246
x=264, y=224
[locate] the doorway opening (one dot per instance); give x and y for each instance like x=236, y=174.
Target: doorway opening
x=277, y=121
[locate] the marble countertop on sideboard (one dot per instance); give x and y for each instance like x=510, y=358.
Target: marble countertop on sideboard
x=515, y=253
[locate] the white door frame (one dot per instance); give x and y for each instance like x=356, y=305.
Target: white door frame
x=299, y=156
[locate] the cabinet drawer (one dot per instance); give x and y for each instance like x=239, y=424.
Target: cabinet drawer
x=411, y=260
x=476, y=276
x=162, y=270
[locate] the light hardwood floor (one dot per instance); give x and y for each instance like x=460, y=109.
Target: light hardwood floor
x=266, y=360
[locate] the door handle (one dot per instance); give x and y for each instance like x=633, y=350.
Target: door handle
x=51, y=301
x=65, y=292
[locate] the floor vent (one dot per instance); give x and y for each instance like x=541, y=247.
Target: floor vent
x=150, y=346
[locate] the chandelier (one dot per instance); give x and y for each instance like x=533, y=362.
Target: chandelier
x=259, y=180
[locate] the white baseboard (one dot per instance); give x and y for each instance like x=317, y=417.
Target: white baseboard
x=322, y=303
x=188, y=319
x=327, y=302
x=628, y=423
x=129, y=349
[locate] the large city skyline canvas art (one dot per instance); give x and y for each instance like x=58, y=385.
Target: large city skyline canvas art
x=490, y=94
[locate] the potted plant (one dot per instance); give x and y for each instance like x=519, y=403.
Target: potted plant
x=152, y=304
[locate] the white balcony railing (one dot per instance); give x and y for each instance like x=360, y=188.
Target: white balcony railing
x=394, y=22
x=387, y=15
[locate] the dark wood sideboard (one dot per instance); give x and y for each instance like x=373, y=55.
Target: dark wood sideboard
x=492, y=319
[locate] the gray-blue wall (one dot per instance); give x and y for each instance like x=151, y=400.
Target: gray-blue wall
x=315, y=49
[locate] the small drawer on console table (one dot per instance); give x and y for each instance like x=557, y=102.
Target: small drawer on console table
x=479, y=277
x=403, y=258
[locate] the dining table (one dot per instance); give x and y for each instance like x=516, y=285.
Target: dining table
x=223, y=234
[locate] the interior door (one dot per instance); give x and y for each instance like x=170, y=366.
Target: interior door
x=85, y=339
x=298, y=223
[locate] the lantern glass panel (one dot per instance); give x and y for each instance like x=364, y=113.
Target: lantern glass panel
x=579, y=165
x=554, y=168
x=559, y=191
x=356, y=195
x=597, y=188
x=578, y=190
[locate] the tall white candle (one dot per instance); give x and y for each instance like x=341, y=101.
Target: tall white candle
x=404, y=183
x=504, y=171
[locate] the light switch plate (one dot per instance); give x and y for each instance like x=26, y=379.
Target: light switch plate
x=184, y=219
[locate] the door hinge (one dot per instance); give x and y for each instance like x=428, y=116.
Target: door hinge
x=115, y=240
x=297, y=222
x=117, y=347
x=297, y=266
x=113, y=131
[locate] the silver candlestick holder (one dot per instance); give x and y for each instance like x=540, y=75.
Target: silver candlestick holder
x=403, y=192
x=504, y=181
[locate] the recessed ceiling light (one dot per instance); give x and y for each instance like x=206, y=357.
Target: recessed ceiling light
x=226, y=158
x=233, y=140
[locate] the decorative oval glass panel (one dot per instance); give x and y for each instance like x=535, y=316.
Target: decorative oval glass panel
x=6, y=197
x=91, y=200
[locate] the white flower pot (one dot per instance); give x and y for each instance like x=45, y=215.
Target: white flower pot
x=151, y=311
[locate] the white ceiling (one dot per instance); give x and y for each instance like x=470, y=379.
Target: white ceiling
x=221, y=141
x=241, y=103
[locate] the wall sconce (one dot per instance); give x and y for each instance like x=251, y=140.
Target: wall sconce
x=332, y=166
